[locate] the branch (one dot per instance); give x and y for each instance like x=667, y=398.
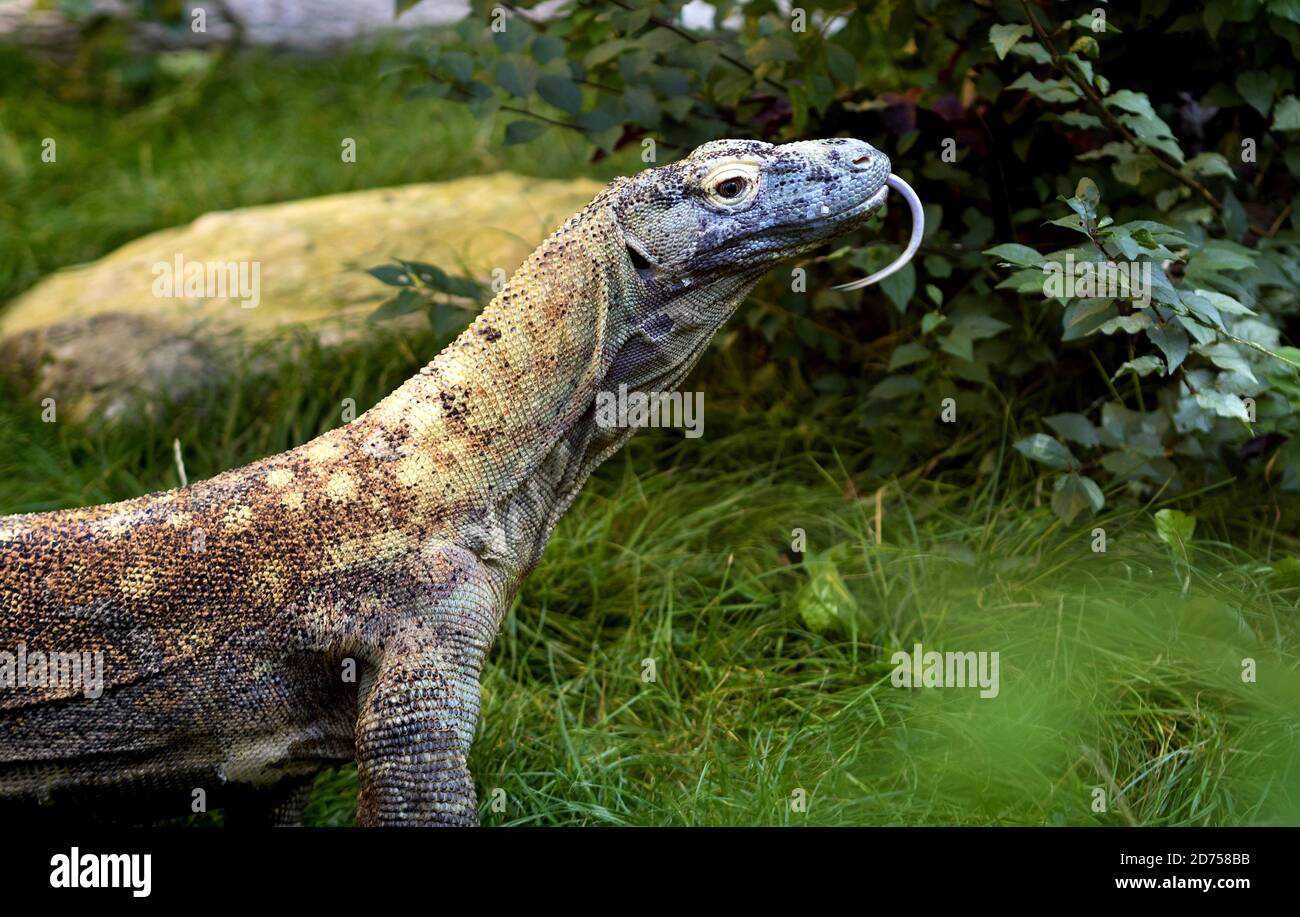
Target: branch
x=1108, y=116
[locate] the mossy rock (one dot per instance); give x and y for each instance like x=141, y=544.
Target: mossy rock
x=96, y=334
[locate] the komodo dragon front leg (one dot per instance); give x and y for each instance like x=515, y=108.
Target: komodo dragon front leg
x=222, y=612
x=419, y=710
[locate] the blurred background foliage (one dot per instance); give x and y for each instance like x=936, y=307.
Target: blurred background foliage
x=1033, y=133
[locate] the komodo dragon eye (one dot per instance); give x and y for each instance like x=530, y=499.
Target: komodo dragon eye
x=730, y=187
x=732, y=183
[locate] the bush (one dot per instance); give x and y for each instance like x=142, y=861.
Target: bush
x=1154, y=140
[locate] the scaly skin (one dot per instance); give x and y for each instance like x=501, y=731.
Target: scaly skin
x=230, y=612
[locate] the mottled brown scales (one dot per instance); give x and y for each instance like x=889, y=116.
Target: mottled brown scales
x=231, y=614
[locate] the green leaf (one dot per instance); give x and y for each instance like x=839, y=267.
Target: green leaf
x=907, y=354
x=1286, y=116
x=958, y=343
x=979, y=326
x=679, y=107
x=459, y=64
x=1074, y=427
x=1142, y=119
x=1086, y=316
x=523, y=131
x=630, y=21
x=598, y=119
x=447, y=321
x=1040, y=447
x=1228, y=355
x=931, y=320
x=1223, y=255
x=659, y=39
x=1223, y=404
x=894, y=387
x=1089, y=195
x=404, y=302
x=560, y=91
x=642, y=107
x=390, y=274
x=437, y=279
x=1032, y=50
x=1257, y=88
x=824, y=601
x=842, y=65
x=516, y=75
x=1175, y=528
x=1073, y=493
x=1225, y=304
x=514, y=37
x=1053, y=91
x=1028, y=280
x=1004, y=37
x=1209, y=165
x=900, y=287
x=1080, y=119
x=1129, y=324
x=1172, y=341
x=1017, y=254
x=937, y=266
x=1287, y=569
x=484, y=107
x=1143, y=366
x=547, y=48
x=427, y=274
x=1135, y=103
x=820, y=92
x=1087, y=46
x=605, y=51
x=773, y=49
x=1200, y=308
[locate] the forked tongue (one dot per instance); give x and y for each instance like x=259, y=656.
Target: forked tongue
x=918, y=228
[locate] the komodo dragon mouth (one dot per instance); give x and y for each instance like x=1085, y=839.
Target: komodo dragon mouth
x=913, y=243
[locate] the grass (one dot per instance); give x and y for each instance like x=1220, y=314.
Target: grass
x=1111, y=675
x=1118, y=670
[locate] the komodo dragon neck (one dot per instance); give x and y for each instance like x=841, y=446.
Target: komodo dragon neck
x=500, y=426
x=225, y=612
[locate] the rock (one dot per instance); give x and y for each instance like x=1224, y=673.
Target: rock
x=97, y=337
x=106, y=365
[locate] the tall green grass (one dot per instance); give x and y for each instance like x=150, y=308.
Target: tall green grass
x=1120, y=671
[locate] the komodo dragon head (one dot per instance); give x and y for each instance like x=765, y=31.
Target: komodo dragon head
x=699, y=232
x=740, y=205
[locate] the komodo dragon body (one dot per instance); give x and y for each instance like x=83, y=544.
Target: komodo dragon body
x=228, y=614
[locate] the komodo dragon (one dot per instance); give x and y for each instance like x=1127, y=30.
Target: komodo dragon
x=226, y=614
